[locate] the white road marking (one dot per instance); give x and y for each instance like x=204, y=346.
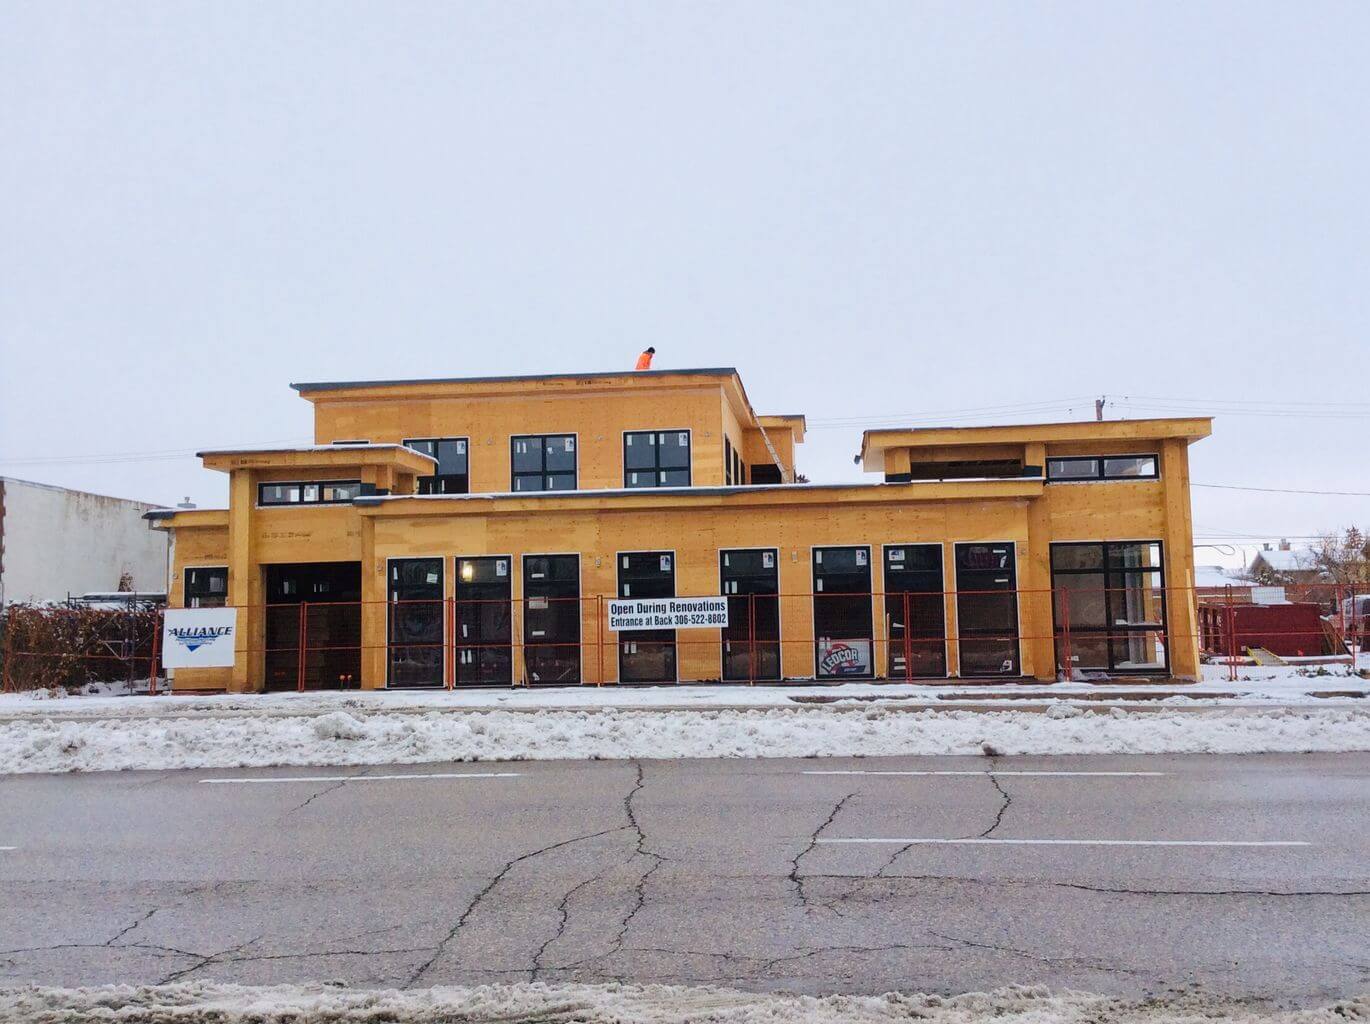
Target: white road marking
x=9, y=847
x=1049, y=774
x=366, y=778
x=1067, y=842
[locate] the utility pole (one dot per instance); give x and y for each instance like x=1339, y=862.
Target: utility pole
x=1099, y=408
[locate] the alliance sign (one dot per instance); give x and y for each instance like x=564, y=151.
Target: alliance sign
x=199, y=637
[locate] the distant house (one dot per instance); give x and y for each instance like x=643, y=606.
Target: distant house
x=1293, y=569
x=1212, y=583
x=56, y=543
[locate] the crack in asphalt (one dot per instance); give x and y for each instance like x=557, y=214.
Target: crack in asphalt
x=1054, y=961
x=794, y=876
x=1007, y=802
x=563, y=909
x=442, y=945
x=1210, y=892
x=327, y=789
x=205, y=961
x=640, y=888
x=124, y=931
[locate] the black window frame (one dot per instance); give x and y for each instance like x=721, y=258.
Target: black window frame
x=436, y=482
x=657, y=468
x=1111, y=631
x=1101, y=471
x=195, y=597
x=543, y=474
x=302, y=484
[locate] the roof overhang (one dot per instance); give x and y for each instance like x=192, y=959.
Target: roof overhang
x=325, y=457
x=1190, y=429
x=763, y=495
x=794, y=423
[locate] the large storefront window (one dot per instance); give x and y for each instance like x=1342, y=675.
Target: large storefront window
x=1111, y=595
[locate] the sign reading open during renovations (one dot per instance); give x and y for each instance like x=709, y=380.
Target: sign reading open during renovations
x=668, y=613
x=198, y=637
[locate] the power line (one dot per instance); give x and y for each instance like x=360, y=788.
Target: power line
x=1284, y=490
x=161, y=455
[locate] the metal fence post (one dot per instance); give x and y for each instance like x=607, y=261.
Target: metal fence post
x=1231, y=636
x=156, y=651
x=303, y=630
x=751, y=639
x=599, y=636
x=8, y=684
x=908, y=643
x=1067, y=661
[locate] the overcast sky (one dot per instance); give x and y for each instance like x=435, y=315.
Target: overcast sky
x=879, y=213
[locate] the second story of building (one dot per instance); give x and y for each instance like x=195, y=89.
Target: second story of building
x=595, y=431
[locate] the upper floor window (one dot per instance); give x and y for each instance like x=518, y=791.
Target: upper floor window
x=1103, y=467
x=734, y=471
x=206, y=586
x=312, y=492
x=452, y=475
x=654, y=458
x=543, y=462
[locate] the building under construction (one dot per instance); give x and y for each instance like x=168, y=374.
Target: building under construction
x=474, y=531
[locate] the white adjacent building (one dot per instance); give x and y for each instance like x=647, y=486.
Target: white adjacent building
x=56, y=542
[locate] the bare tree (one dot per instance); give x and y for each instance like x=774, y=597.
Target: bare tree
x=1343, y=558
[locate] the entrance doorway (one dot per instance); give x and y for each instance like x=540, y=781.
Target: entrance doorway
x=987, y=609
x=485, y=651
x=751, y=641
x=844, y=642
x=915, y=611
x=551, y=618
x=331, y=592
x=414, y=615
x=646, y=655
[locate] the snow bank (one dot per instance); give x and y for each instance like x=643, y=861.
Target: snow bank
x=619, y=1004
x=359, y=737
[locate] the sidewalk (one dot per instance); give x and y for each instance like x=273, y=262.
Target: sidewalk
x=1324, y=684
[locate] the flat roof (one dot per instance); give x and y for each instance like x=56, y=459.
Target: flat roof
x=1191, y=428
x=348, y=385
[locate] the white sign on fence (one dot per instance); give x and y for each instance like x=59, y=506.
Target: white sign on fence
x=844, y=657
x=199, y=637
x=668, y=613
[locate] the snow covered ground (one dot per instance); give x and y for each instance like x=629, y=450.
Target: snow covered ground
x=619, y=1004
x=1255, y=686
x=370, y=737
x=1270, y=711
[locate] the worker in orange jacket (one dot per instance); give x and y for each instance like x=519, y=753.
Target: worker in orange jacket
x=644, y=361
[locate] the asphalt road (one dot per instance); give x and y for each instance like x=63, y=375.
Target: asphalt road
x=730, y=872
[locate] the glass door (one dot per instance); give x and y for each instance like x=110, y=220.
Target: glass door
x=987, y=609
x=414, y=616
x=551, y=618
x=844, y=641
x=750, y=580
x=484, y=641
x=646, y=655
x=915, y=611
